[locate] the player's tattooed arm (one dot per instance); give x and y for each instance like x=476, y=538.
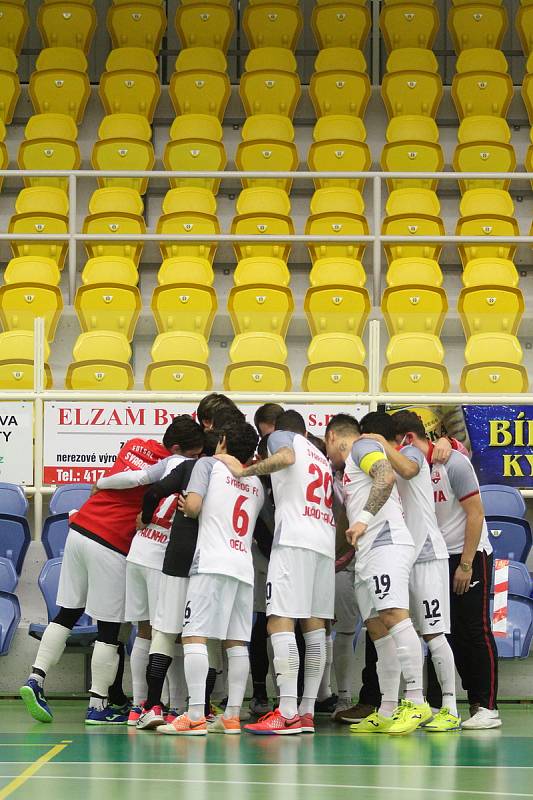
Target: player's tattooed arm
x=284, y=457
x=382, y=482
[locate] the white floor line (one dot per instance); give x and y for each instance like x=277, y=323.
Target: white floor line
x=272, y=765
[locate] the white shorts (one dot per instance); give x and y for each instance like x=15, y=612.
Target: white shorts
x=346, y=611
x=218, y=607
x=429, y=592
x=300, y=584
x=260, y=579
x=168, y=617
x=92, y=577
x=382, y=580
x=142, y=591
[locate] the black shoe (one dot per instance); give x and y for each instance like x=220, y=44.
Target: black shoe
x=326, y=706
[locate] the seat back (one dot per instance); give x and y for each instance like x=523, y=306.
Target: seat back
x=67, y=24
x=69, y=497
x=200, y=91
x=130, y=91
x=501, y=500
x=340, y=92
x=341, y=24
x=48, y=584
x=517, y=640
x=137, y=25
x=13, y=500
x=54, y=535
x=520, y=580
x=412, y=92
x=477, y=25
x=509, y=536
x=9, y=619
x=8, y=575
x=35, y=198
x=205, y=24
x=273, y=25
x=15, y=22
x=9, y=95
x=409, y=25
x=14, y=539
x=60, y=91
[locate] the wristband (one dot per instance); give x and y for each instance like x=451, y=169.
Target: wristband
x=365, y=517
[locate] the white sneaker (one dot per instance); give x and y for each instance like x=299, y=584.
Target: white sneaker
x=483, y=719
x=151, y=719
x=342, y=705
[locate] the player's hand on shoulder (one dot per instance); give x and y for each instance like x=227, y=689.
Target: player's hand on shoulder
x=354, y=533
x=181, y=503
x=441, y=451
x=376, y=437
x=232, y=463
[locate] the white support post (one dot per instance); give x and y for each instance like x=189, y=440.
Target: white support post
x=38, y=371
x=376, y=247
x=374, y=369
x=72, y=243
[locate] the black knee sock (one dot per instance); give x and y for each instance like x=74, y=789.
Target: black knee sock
x=156, y=672
x=259, y=656
x=116, y=692
x=300, y=642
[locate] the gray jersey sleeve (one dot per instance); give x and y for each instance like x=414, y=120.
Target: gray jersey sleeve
x=201, y=475
x=461, y=475
x=280, y=439
x=362, y=448
x=134, y=477
x=413, y=454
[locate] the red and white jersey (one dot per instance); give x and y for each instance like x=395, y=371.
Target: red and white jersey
x=149, y=544
x=388, y=525
x=453, y=482
x=227, y=520
x=303, y=497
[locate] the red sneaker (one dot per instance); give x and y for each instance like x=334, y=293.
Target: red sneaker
x=274, y=724
x=307, y=723
x=134, y=715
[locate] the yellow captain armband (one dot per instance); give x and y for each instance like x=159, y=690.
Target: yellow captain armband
x=368, y=461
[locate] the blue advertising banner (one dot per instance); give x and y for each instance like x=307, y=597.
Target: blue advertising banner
x=501, y=438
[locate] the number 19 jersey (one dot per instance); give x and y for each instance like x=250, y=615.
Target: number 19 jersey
x=303, y=497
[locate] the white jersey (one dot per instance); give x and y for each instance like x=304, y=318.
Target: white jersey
x=388, y=525
x=303, y=497
x=453, y=482
x=418, y=507
x=227, y=520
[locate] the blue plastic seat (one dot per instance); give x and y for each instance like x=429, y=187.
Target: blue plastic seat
x=13, y=500
x=14, y=539
x=54, y=535
x=500, y=500
x=517, y=641
x=9, y=620
x=510, y=537
x=69, y=497
x=8, y=575
x=520, y=580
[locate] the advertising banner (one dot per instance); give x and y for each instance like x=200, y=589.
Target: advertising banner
x=501, y=439
x=16, y=442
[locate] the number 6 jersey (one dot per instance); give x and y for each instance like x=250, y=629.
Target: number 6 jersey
x=227, y=520
x=303, y=496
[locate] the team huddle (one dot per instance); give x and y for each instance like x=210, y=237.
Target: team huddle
x=231, y=546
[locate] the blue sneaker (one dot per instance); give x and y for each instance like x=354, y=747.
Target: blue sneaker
x=105, y=716
x=34, y=700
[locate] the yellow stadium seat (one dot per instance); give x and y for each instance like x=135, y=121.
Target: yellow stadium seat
x=128, y=88
x=341, y=24
x=109, y=307
x=9, y=84
x=166, y=373
x=412, y=127
x=125, y=2
x=261, y=268
x=48, y=154
x=36, y=198
x=192, y=155
x=260, y=307
x=409, y=25
x=267, y=155
x=477, y=25
x=412, y=156
x=335, y=364
x=482, y=85
x=21, y=303
x=137, y=25
x=339, y=146
x=339, y=126
x=189, y=198
x=185, y=223
x=103, y=268
x=411, y=91
x=484, y=156
x=412, y=225
x=51, y=126
x=39, y=222
x=426, y=374
x=196, y=59
x=67, y=24
x=345, y=59
x=60, y=91
x=246, y=373
x=182, y=269
x=14, y=24
x=8, y=60
x=502, y=373
x=129, y=126
x=187, y=126
x=100, y=363
x=528, y=158
x=111, y=226
x=262, y=224
x=524, y=26
x=200, y=89
x=337, y=198
x=4, y=156
x=16, y=361
x=61, y=58
x=411, y=308
x=344, y=271
x=336, y=308
x=32, y=269
x=412, y=200
x=333, y=224
x=264, y=58
x=136, y=58
x=485, y=309
x=270, y=84
x=263, y=199
x=116, y=198
x=485, y=271
x=123, y=154
x=424, y=271
x=486, y=225
x=272, y=25
x=495, y=129
x=184, y=307
x=205, y=24
x=336, y=86
x=412, y=58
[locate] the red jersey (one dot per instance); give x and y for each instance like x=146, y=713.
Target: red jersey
x=109, y=515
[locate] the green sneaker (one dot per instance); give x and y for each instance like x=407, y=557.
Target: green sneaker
x=408, y=717
x=443, y=722
x=374, y=723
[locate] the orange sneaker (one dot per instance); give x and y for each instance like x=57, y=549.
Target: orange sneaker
x=185, y=726
x=222, y=724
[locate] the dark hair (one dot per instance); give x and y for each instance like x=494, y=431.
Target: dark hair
x=262, y=447
x=292, y=421
x=211, y=440
x=408, y=422
x=318, y=443
x=184, y=432
x=343, y=424
x=226, y=415
x=267, y=413
x=379, y=422
x=209, y=404
x=241, y=440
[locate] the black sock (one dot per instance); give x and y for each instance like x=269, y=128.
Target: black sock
x=156, y=672
x=116, y=693
x=37, y=671
x=259, y=656
x=209, y=686
x=260, y=691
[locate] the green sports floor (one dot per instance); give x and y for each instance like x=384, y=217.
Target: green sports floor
x=64, y=760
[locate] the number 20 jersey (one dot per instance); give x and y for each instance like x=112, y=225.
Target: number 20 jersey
x=303, y=497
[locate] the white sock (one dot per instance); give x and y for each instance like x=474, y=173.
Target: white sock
x=315, y=659
x=238, y=670
x=196, y=665
x=389, y=674
x=286, y=664
x=442, y=657
x=216, y=662
x=177, y=685
x=343, y=664
x=104, y=665
x=324, y=690
x=51, y=648
x=410, y=657
x=138, y=665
